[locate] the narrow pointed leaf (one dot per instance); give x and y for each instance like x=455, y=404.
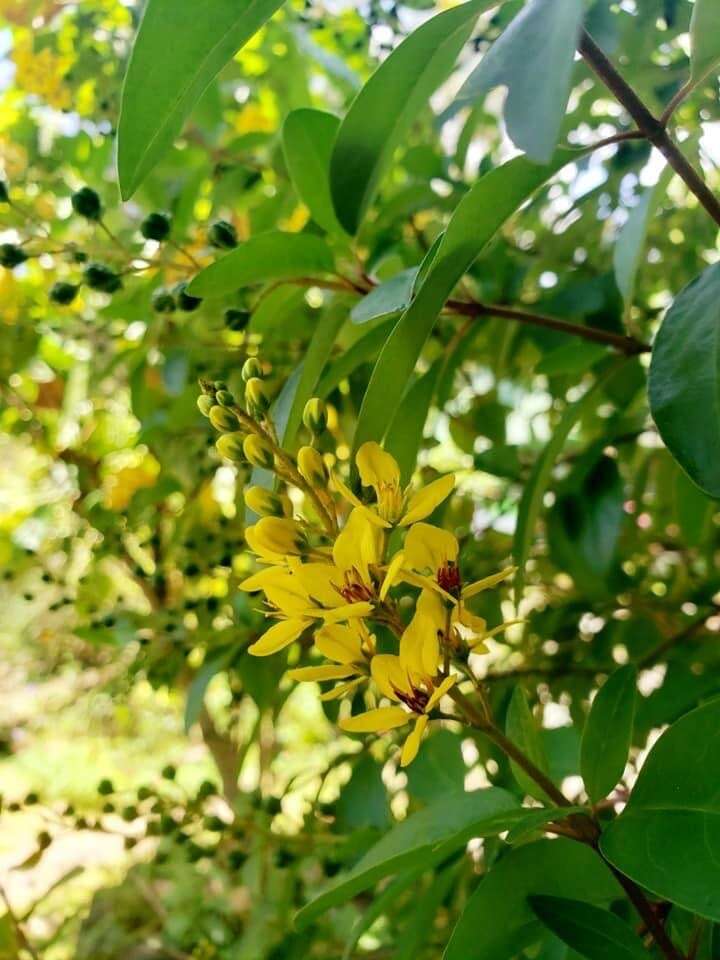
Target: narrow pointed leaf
x=308, y=137
x=608, y=733
x=596, y=934
x=522, y=729
x=704, y=38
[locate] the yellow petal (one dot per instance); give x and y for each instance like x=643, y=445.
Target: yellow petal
x=358, y=545
x=375, y=721
x=285, y=592
x=320, y=582
x=279, y=636
x=376, y=467
x=326, y=671
x=439, y=692
x=487, y=582
x=258, y=580
x=340, y=642
x=348, y=495
x=420, y=647
x=469, y=622
x=429, y=548
x=389, y=674
x=342, y=688
x=422, y=503
x=412, y=741
x=392, y=573
x=348, y=611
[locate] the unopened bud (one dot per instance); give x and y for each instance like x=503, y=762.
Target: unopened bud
x=230, y=446
x=315, y=415
x=312, y=467
x=265, y=503
x=276, y=535
x=223, y=419
x=258, y=451
x=225, y=398
x=256, y=399
x=205, y=404
x=251, y=368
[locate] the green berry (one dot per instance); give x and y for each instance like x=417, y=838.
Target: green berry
x=185, y=301
x=63, y=293
x=11, y=255
x=105, y=787
x=236, y=319
x=163, y=301
x=86, y=203
x=99, y=277
x=169, y=772
x=156, y=226
x=223, y=235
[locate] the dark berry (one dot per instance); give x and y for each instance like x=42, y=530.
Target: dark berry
x=184, y=300
x=99, y=277
x=11, y=255
x=86, y=203
x=156, y=226
x=223, y=235
x=163, y=301
x=236, y=319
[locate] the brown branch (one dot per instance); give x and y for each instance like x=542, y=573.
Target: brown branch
x=647, y=123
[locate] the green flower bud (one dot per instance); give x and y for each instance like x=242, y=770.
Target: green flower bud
x=219, y=385
x=163, y=301
x=156, y=226
x=223, y=419
x=205, y=404
x=315, y=415
x=4, y=192
x=99, y=277
x=256, y=399
x=251, y=368
x=223, y=235
x=230, y=446
x=184, y=300
x=63, y=293
x=11, y=255
x=224, y=398
x=86, y=203
x=265, y=503
x=312, y=467
x=258, y=452
x=236, y=319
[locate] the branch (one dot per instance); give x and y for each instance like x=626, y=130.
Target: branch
x=647, y=123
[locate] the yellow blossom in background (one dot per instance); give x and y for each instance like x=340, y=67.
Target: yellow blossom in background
x=42, y=73
x=121, y=486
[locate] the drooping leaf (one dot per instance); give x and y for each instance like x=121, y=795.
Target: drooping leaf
x=406, y=429
x=387, y=298
x=200, y=682
x=498, y=923
x=363, y=350
x=668, y=836
x=417, y=931
x=447, y=823
x=704, y=38
x=381, y=113
x=477, y=218
x=178, y=51
x=540, y=42
x=608, y=733
x=274, y=255
x=522, y=729
x=684, y=385
x=308, y=137
x=596, y=934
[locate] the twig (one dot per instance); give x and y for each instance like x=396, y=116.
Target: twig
x=17, y=926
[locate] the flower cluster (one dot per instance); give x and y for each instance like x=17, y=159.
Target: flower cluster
x=341, y=575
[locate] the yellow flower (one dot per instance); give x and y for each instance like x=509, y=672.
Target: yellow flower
x=410, y=678
x=393, y=505
x=430, y=561
x=296, y=598
x=349, y=646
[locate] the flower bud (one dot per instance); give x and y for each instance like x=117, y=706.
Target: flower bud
x=315, y=415
x=251, y=369
x=312, y=467
x=86, y=203
x=276, y=535
x=256, y=399
x=224, y=398
x=230, y=446
x=223, y=419
x=265, y=503
x=156, y=226
x=205, y=404
x=258, y=451
x=223, y=235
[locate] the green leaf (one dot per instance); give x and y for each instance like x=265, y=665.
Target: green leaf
x=448, y=823
x=307, y=137
x=498, y=923
x=387, y=298
x=364, y=349
x=704, y=38
x=536, y=819
x=596, y=934
x=533, y=58
x=178, y=51
x=685, y=380
x=406, y=429
x=378, y=906
x=439, y=769
x=200, y=682
x=668, y=837
x=267, y=256
x=477, y=218
x=534, y=490
x=608, y=733
x=417, y=932
x=364, y=800
x=382, y=112
x=630, y=243
x=521, y=728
